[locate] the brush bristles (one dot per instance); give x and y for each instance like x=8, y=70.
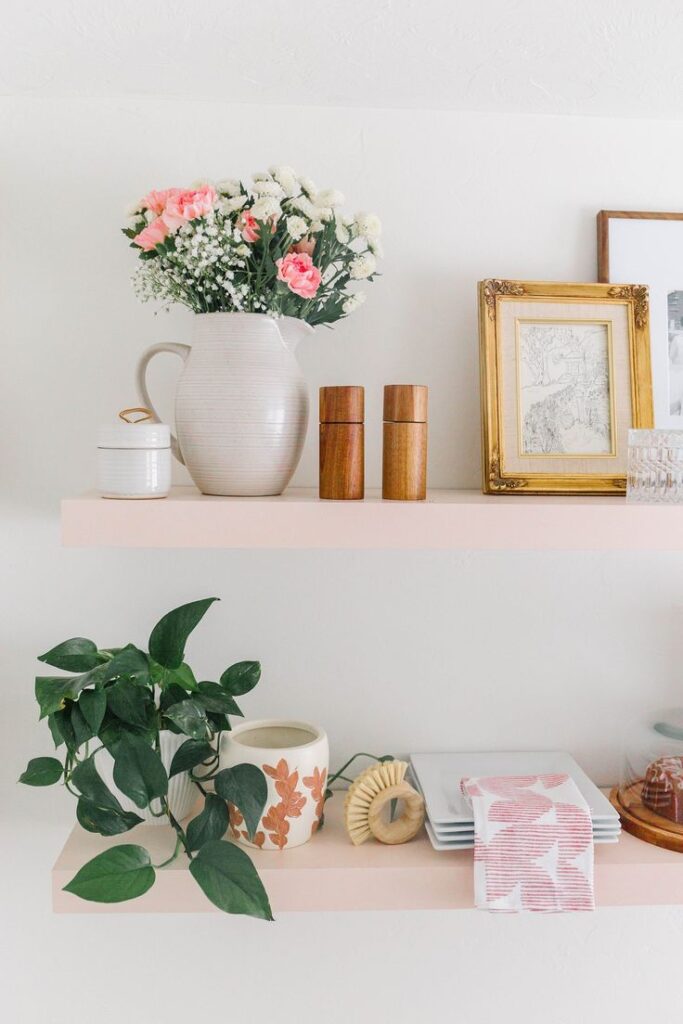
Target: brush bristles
x=363, y=791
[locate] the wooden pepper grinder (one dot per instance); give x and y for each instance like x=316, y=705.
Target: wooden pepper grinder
x=404, y=465
x=342, y=443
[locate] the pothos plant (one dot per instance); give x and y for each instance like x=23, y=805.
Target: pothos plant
x=120, y=700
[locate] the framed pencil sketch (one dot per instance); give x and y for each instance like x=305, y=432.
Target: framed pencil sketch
x=565, y=372
x=648, y=247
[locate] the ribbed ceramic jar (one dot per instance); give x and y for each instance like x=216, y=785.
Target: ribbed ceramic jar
x=134, y=460
x=182, y=792
x=241, y=402
x=294, y=756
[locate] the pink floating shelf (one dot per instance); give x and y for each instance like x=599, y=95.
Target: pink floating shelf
x=465, y=520
x=329, y=873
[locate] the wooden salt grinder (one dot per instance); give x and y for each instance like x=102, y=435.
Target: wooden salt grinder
x=404, y=464
x=342, y=443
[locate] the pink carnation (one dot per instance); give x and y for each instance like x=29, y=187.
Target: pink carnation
x=299, y=273
x=248, y=225
x=187, y=204
x=152, y=235
x=156, y=201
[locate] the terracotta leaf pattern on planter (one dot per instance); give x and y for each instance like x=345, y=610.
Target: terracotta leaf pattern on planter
x=316, y=784
x=292, y=802
x=237, y=819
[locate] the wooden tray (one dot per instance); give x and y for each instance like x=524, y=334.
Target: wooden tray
x=640, y=821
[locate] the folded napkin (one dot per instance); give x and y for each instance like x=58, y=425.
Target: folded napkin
x=533, y=843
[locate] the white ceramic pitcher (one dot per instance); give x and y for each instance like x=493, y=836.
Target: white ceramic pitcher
x=241, y=402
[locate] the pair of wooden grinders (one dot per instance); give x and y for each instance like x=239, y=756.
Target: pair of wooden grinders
x=342, y=443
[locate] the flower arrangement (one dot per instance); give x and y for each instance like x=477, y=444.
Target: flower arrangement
x=278, y=246
x=118, y=703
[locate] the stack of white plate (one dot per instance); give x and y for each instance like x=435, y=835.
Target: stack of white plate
x=449, y=823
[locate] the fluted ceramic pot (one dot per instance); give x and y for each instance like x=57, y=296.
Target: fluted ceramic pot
x=294, y=757
x=241, y=402
x=182, y=792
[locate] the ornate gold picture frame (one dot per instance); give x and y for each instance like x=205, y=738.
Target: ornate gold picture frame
x=565, y=372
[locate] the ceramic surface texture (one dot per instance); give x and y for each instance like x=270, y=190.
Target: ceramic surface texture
x=182, y=792
x=296, y=771
x=134, y=472
x=241, y=402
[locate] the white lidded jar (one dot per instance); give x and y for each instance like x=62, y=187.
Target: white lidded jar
x=134, y=458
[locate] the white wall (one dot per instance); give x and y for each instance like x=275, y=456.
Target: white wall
x=389, y=651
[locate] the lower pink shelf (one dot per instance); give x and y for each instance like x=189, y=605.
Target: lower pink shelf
x=330, y=874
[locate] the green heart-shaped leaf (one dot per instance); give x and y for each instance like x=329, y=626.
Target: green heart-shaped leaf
x=213, y=697
x=129, y=702
x=57, y=737
x=53, y=691
x=190, y=719
x=93, y=704
x=229, y=879
x=105, y=820
x=42, y=771
x=138, y=771
x=189, y=755
x=210, y=824
x=169, y=636
x=81, y=729
x=128, y=663
x=245, y=786
x=75, y=655
x=62, y=724
x=183, y=677
x=120, y=873
x=241, y=678
x=87, y=781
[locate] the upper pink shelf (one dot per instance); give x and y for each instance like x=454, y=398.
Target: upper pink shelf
x=298, y=519
x=328, y=873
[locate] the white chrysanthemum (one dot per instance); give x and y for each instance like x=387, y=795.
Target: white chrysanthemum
x=243, y=250
x=324, y=213
x=265, y=208
x=261, y=176
x=353, y=302
x=296, y=228
x=362, y=267
x=229, y=187
x=375, y=247
x=308, y=186
x=342, y=233
x=305, y=206
x=329, y=197
x=368, y=225
x=228, y=206
x=316, y=227
x=268, y=187
x=286, y=176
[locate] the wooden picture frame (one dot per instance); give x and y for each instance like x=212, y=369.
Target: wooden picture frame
x=647, y=246
x=565, y=373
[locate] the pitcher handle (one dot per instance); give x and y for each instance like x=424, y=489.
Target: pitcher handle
x=177, y=350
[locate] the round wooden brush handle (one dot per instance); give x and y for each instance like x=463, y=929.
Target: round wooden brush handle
x=401, y=829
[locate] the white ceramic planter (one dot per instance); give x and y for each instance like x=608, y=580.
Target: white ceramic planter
x=182, y=792
x=241, y=402
x=294, y=757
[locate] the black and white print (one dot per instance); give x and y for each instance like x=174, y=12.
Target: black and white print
x=564, y=388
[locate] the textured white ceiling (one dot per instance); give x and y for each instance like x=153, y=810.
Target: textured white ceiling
x=622, y=57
